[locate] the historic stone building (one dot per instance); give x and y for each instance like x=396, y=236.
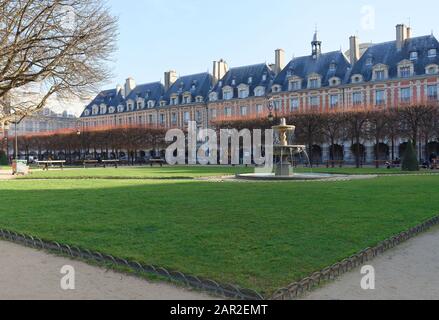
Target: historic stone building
x=383, y=75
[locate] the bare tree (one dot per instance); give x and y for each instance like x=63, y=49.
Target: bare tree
x=56, y=48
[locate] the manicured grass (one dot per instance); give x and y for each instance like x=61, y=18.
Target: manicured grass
x=182, y=172
x=363, y=171
x=167, y=172
x=258, y=235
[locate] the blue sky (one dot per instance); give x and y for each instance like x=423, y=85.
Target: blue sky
x=187, y=35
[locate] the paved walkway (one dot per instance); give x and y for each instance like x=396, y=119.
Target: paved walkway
x=30, y=274
x=410, y=271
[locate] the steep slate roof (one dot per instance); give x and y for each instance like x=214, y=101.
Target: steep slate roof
x=302, y=67
x=241, y=76
x=387, y=53
x=150, y=91
x=196, y=84
x=108, y=97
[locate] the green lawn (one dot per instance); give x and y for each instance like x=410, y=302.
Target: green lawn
x=261, y=236
x=184, y=172
x=167, y=172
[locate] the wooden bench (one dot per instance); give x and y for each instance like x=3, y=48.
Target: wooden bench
x=161, y=162
x=109, y=162
x=90, y=162
x=51, y=163
x=333, y=163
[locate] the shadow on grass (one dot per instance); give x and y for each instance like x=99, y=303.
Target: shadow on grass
x=257, y=235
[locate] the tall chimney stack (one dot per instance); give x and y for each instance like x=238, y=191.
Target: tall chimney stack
x=354, y=52
x=220, y=68
x=279, y=60
x=130, y=85
x=401, y=36
x=170, y=78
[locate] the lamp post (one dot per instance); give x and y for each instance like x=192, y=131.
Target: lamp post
x=270, y=106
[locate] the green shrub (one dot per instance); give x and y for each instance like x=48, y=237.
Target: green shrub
x=410, y=159
x=3, y=158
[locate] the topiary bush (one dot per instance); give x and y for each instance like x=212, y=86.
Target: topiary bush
x=410, y=159
x=3, y=158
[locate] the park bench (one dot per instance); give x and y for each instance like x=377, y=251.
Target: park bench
x=90, y=162
x=334, y=163
x=161, y=162
x=51, y=163
x=110, y=162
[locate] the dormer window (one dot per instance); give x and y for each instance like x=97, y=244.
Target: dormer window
x=295, y=85
x=227, y=93
x=111, y=110
x=333, y=67
x=103, y=109
x=259, y=91
x=139, y=104
x=187, y=99
x=95, y=110
x=369, y=61
x=414, y=55
x=151, y=104
x=162, y=103
x=199, y=99
x=130, y=106
x=87, y=113
x=432, y=53
x=357, y=78
x=174, y=101
x=243, y=92
x=334, y=81
x=264, y=77
x=380, y=72
x=234, y=82
x=431, y=69
x=276, y=88
x=313, y=82
x=250, y=80
x=120, y=109
x=220, y=84
x=213, y=96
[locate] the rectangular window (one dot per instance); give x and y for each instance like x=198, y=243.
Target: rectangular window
x=380, y=75
x=174, y=101
x=199, y=116
x=379, y=97
x=313, y=83
x=244, y=111
x=243, y=94
x=228, y=111
x=151, y=119
x=405, y=72
x=259, y=108
x=186, y=117
x=294, y=104
x=174, y=118
x=405, y=95
x=213, y=113
x=432, y=92
x=333, y=100
x=295, y=85
x=162, y=119
x=228, y=95
x=314, y=101
x=186, y=100
x=357, y=98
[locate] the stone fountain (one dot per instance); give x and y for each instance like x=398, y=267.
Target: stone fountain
x=285, y=152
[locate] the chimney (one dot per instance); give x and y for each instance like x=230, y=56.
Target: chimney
x=119, y=89
x=401, y=36
x=170, y=78
x=354, y=49
x=409, y=32
x=130, y=85
x=279, y=64
x=220, y=68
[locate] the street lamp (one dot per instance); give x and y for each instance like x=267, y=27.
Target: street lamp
x=270, y=107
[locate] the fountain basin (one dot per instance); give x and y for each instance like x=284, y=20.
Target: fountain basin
x=292, y=177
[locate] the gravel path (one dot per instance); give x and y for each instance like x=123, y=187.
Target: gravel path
x=30, y=274
x=408, y=272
